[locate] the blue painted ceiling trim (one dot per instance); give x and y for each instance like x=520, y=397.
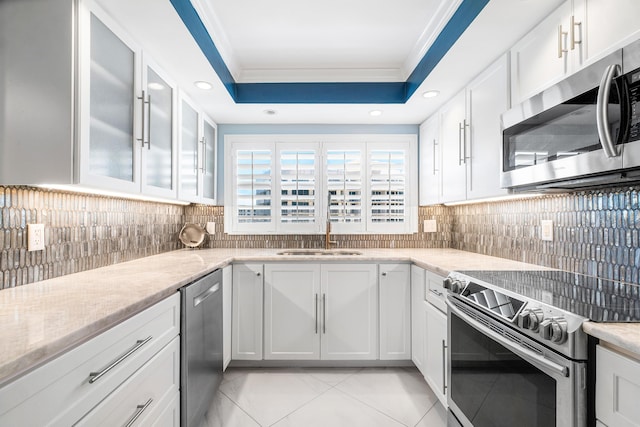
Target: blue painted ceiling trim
x=329, y=93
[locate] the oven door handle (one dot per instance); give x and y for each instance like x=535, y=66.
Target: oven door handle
x=525, y=353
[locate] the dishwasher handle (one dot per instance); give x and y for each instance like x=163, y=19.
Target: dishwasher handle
x=206, y=294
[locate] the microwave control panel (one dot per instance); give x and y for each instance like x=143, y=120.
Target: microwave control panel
x=633, y=82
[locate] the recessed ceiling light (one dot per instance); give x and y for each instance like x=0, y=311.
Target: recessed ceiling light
x=375, y=113
x=431, y=94
x=203, y=85
x=155, y=86
x=270, y=112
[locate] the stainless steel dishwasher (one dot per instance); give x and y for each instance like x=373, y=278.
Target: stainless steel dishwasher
x=201, y=346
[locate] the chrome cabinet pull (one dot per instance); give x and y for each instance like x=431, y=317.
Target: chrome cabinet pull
x=203, y=143
x=95, y=376
x=434, y=157
x=602, y=111
x=465, y=125
x=139, y=410
x=142, y=120
x=384, y=273
x=459, y=143
x=561, y=35
x=258, y=273
x=316, y=315
x=433, y=291
x=444, y=371
x=573, y=24
x=324, y=313
x=148, y=102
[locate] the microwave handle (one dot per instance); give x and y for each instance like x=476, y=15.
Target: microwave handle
x=602, y=111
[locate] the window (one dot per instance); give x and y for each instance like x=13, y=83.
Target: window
x=292, y=183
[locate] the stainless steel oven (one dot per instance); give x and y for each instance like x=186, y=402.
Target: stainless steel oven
x=506, y=361
x=581, y=132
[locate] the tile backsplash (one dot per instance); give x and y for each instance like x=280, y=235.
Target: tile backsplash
x=595, y=232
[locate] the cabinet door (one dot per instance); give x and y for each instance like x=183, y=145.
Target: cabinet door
x=247, y=312
x=159, y=133
x=418, y=318
x=395, y=311
x=430, y=184
x=291, y=311
x=487, y=99
x=110, y=133
x=350, y=311
x=606, y=25
x=227, y=303
x=541, y=58
x=436, y=351
x=618, y=380
x=188, y=170
x=208, y=160
x=453, y=128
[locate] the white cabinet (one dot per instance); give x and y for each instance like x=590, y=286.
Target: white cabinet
x=617, y=388
x=579, y=32
x=247, y=312
x=436, y=351
x=115, y=366
x=418, y=318
x=395, y=311
x=197, y=154
x=227, y=304
x=430, y=184
x=292, y=328
x=471, y=136
x=349, y=311
x=321, y=311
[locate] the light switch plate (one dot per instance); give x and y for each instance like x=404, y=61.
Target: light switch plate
x=211, y=227
x=546, y=230
x=35, y=237
x=430, y=226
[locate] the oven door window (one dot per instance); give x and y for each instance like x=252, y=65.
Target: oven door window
x=494, y=387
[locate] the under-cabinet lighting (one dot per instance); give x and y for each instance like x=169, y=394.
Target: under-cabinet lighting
x=270, y=112
x=375, y=113
x=203, y=85
x=497, y=199
x=98, y=192
x=431, y=94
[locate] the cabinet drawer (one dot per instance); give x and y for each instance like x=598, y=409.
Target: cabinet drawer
x=435, y=292
x=61, y=389
x=617, y=389
x=142, y=399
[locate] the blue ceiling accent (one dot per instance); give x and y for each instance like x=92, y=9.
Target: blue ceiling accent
x=329, y=93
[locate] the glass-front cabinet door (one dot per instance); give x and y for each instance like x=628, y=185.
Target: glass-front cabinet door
x=189, y=164
x=159, y=139
x=110, y=114
x=209, y=159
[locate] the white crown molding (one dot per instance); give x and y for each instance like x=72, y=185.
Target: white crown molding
x=213, y=25
x=438, y=21
x=321, y=75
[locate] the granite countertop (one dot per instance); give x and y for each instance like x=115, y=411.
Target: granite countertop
x=44, y=319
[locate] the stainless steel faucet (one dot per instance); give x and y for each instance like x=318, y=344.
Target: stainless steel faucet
x=327, y=237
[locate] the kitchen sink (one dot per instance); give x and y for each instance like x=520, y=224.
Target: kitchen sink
x=315, y=252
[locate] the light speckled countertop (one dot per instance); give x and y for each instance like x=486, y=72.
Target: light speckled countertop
x=44, y=319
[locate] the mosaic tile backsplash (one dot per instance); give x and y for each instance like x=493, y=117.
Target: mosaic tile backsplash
x=595, y=232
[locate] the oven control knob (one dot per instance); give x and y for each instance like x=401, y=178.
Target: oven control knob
x=530, y=319
x=454, y=285
x=554, y=330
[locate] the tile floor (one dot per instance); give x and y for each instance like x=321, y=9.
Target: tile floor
x=325, y=397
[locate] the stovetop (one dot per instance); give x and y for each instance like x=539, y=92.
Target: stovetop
x=597, y=299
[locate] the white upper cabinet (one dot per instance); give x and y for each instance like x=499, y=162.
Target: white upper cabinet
x=196, y=153
x=577, y=33
x=471, y=137
x=430, y=184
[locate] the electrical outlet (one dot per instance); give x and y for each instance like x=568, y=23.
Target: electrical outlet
x=546, y=230
x=211, y=227
x=35, y=237
x=429, y=226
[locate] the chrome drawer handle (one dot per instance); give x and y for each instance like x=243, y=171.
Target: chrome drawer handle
x=95, y=376
x=139, y=410
x=433, y=291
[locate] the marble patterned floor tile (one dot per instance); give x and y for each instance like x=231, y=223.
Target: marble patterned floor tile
x=436, y=417
x=336, y=409
x=269, y=395
x=224, y=413
x=331, y=376
x=402, y=395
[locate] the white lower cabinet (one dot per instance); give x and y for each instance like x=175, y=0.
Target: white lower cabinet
x=247, y=298
x=617, y=389
x=132, y=362
x=227, y=303
x=418, y=318
x=321, y=311
x=436, y=351
x=395, y=311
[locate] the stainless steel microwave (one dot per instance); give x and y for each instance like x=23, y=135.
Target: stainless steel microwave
x=582, y=132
